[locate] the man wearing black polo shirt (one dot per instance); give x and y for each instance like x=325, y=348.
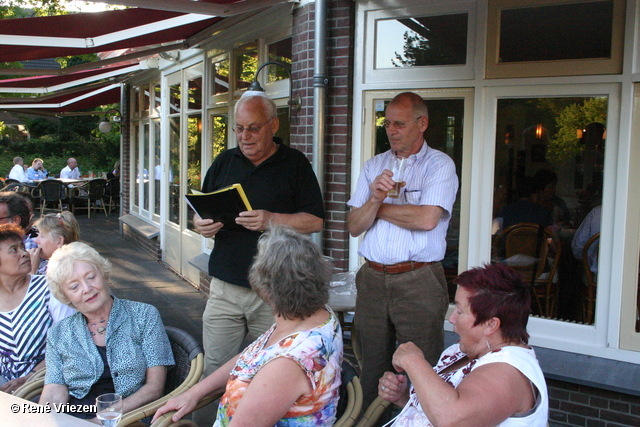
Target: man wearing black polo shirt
x=282, y=189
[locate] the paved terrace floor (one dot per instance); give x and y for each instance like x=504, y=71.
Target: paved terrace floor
x=139, y=277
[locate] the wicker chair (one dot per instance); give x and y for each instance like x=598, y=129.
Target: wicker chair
x=32, y=387
x=92, y=192
x=187, y=371
x=589, y=293
x=16, y=186
x=112, y=194
x=181, y=377
x=51, y=191
x=527, y=248
x=373, y=412
x=348, y=411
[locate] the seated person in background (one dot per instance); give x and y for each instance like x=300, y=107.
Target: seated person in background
x=37, y=170
x=27, y=311
x=55, y=230
x=17, y=171
x=525, y=209
x=115, y=173
x=109, y=346
x=546, y=182
x=71, y=171
x=490, y=377
x=291, y=374
x=590, y=226
x=16, y=207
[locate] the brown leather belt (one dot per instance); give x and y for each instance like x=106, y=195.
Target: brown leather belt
x=398, y=268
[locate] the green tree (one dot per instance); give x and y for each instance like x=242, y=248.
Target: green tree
x=30, y=8
x=565, y=143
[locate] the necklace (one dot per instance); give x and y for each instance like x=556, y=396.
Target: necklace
x=101, y=329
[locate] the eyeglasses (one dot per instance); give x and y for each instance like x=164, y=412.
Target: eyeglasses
x=399, y=125
x=251, y=129
x=5, y=217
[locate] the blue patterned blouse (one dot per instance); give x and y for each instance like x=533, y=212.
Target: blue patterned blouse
x=135, y=339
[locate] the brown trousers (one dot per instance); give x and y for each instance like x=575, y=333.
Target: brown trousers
x=403, y=307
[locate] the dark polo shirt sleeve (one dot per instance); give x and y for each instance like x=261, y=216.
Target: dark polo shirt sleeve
x=284, y=183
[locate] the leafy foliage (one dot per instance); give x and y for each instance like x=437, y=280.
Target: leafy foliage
x=565, y=144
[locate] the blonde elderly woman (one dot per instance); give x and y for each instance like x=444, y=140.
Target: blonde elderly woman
x=291, y=374
x=27, y=311
x=110, y=345
x=491, y=377
x=54, y=230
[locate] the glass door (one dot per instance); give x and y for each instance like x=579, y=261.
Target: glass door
x=184, y=169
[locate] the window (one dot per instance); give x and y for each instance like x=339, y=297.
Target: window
x=194, y=165
x=430, y=40
x=281, y=52
x=220, y=77
x=174, y=99
x=246, y=64
x=143, y=170
x=521, y=37
x=549, y=163
x=421, y=41
x=157, y=100
x=195, y=93
x=174, y=169
x=135, y=133
x=219, y=123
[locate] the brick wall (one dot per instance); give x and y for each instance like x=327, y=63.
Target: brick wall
x=583, y=406
x=338, y=114
x=150, y=246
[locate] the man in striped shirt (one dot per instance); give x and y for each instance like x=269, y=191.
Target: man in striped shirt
x=402, y=290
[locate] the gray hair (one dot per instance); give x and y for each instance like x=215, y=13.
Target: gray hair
x=62, y=262
x=270, y=108
x=290, y=273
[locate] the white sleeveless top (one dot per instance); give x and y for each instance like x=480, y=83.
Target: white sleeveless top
x=520, y=358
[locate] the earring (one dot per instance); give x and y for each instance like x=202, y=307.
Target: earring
x=488, y=346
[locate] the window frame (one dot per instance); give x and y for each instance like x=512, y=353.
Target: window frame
x=599, y=338
x=437, y=72
x=629, y=339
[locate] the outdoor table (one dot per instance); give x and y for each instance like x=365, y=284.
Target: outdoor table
x=17, y=411
x=341, y=300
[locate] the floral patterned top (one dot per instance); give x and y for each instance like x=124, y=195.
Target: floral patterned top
x=318, y=351
x=523, y=359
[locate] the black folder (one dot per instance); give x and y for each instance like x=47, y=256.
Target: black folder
x=222, y=205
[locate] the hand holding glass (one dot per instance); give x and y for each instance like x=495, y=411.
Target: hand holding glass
x=109, y=409
x=398, y=167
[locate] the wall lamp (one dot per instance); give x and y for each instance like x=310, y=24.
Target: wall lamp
x=294, y=103
x=105, y=124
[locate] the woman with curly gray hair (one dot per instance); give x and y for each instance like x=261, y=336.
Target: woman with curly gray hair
x=303, y=349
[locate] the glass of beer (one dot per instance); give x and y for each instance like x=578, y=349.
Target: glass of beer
x=397, y=168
